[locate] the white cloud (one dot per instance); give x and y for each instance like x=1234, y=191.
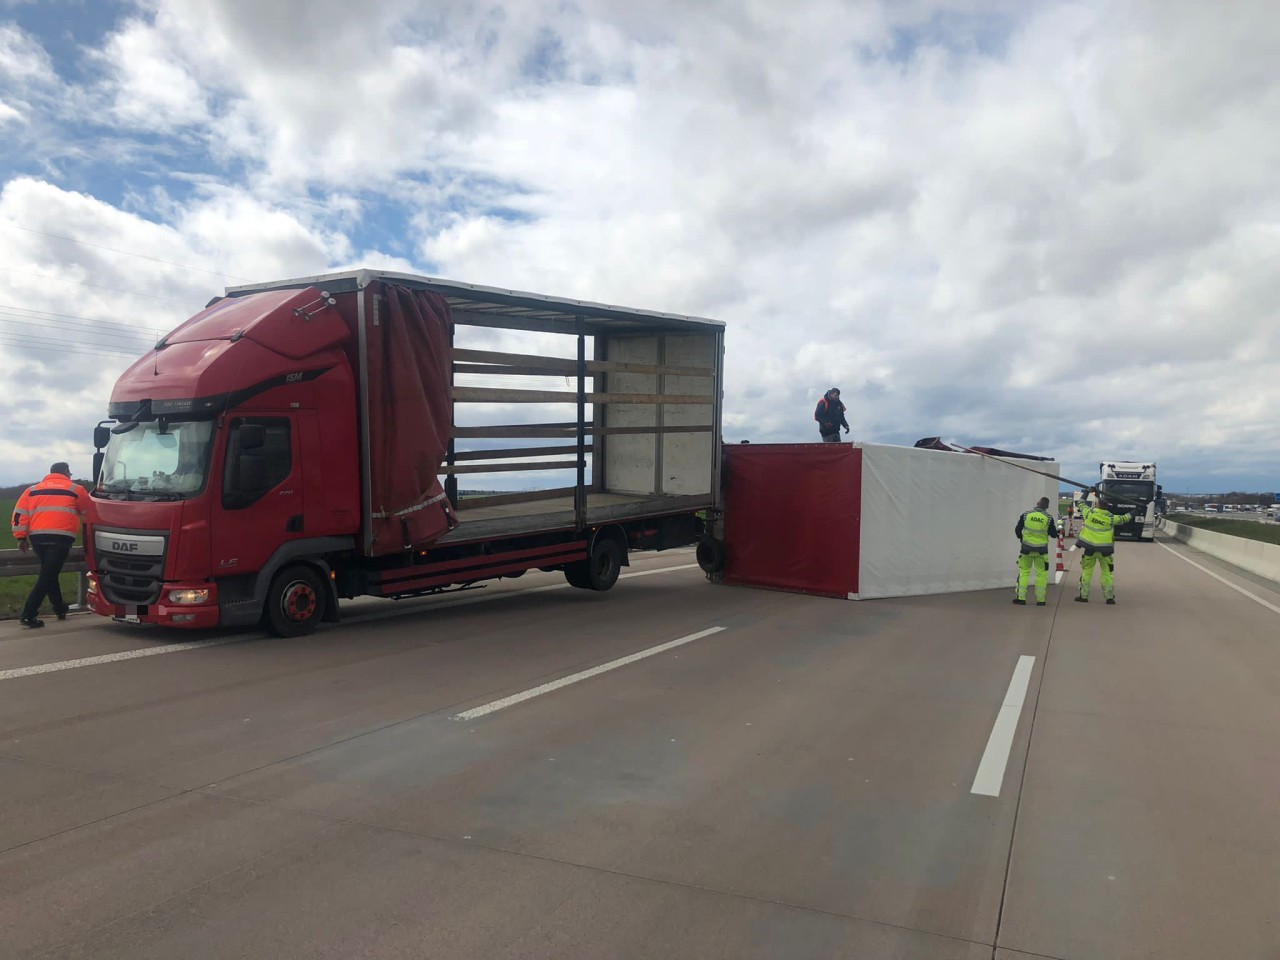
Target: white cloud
x=73, y=315
x=22, y=58
x=1047, y=226
x=150, y=87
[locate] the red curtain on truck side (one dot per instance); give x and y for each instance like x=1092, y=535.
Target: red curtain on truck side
x=792, y=516
x=410, y=415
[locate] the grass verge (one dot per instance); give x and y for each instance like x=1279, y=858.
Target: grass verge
x=1249, y=529
x=14, y=590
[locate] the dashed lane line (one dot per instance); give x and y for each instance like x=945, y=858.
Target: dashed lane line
x=511, y=701
x=40, y=668
x=60, y=665
x=990, y=775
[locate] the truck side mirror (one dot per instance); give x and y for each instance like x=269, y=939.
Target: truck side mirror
x=253, y=436
x=101, y=436
x=97, y=465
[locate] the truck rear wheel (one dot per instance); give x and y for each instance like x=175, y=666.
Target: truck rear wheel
x=600, y=570
x=710, y=555
x=295, y=602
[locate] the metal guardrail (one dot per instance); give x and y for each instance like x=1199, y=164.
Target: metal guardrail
x=15, y=563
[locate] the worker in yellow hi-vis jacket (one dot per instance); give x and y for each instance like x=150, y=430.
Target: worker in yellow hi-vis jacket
x=1097, y=540
x=1034, y=529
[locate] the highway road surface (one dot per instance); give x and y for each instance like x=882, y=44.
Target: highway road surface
x=671, y=770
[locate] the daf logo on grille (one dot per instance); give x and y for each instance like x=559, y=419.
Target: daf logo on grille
x=136, y=545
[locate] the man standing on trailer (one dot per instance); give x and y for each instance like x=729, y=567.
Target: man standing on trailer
x=1034, y=530
x=1097, y=540
x=47, y=517
x=830, y=416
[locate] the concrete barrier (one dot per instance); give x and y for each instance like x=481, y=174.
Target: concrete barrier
x=1255, y=556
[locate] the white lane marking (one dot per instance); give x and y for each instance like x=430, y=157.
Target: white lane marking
x=515, y=698
x=482, y=597
x=994, y=759
x=59, y=665
x=40, y=668
x=1252, y=596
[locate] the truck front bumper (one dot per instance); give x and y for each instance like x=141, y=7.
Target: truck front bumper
x=188, y=616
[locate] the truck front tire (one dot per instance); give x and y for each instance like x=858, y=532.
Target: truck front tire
x=295, y=601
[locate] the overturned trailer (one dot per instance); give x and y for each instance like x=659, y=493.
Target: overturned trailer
x=862, y=520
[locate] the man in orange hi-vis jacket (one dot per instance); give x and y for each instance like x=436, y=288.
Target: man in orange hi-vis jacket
x=47, y=518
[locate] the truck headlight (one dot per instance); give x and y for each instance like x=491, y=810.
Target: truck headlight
x=189, y=596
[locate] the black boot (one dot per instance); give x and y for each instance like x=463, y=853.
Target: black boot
x=1082, y=599
x=1111, y=601
x=31, y=622
x=1021, y=603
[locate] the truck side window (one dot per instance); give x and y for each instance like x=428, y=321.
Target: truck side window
x=259, y=458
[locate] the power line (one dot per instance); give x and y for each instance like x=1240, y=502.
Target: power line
x=41, y=314
x=99, y=286
x=22, y=343
x=127, y=253
x=88, y=344
x=96, y=328
x=80, y=329
x=138, y=343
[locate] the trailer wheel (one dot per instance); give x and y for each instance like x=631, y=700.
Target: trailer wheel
x=710, y=555
x=600, y=570
x=295, y=602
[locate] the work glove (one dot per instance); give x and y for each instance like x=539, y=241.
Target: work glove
x=24, y=545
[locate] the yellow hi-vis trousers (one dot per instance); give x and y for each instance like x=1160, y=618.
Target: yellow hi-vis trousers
x=1026, y=563
x=1105, y=565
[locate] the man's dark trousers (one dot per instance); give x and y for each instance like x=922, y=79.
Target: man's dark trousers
x=52, y=551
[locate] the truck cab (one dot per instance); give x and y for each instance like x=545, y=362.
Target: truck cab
x=1130, y=487
x=231, y=449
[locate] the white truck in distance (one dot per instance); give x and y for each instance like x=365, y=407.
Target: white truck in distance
x=1131, y=487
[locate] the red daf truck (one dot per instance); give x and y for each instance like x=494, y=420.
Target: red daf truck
x=284, y=448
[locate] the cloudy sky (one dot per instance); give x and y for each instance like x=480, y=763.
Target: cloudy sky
x=1053, y=227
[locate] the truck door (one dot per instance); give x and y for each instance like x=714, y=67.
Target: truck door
x=261, y=504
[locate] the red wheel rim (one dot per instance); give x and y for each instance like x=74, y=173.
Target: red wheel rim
x=298, y=601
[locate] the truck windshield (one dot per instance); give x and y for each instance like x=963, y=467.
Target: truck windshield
x=1130, y=490
x=148, y=463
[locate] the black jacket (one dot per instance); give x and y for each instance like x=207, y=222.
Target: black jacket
x=830, y=416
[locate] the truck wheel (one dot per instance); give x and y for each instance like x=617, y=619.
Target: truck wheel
x=710, y=556
x=600, y=570
x=295, y=602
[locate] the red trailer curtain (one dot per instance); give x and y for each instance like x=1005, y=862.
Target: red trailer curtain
x=410, y=415
x=792, y=516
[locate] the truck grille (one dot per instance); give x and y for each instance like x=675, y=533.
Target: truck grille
x=132, y=574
